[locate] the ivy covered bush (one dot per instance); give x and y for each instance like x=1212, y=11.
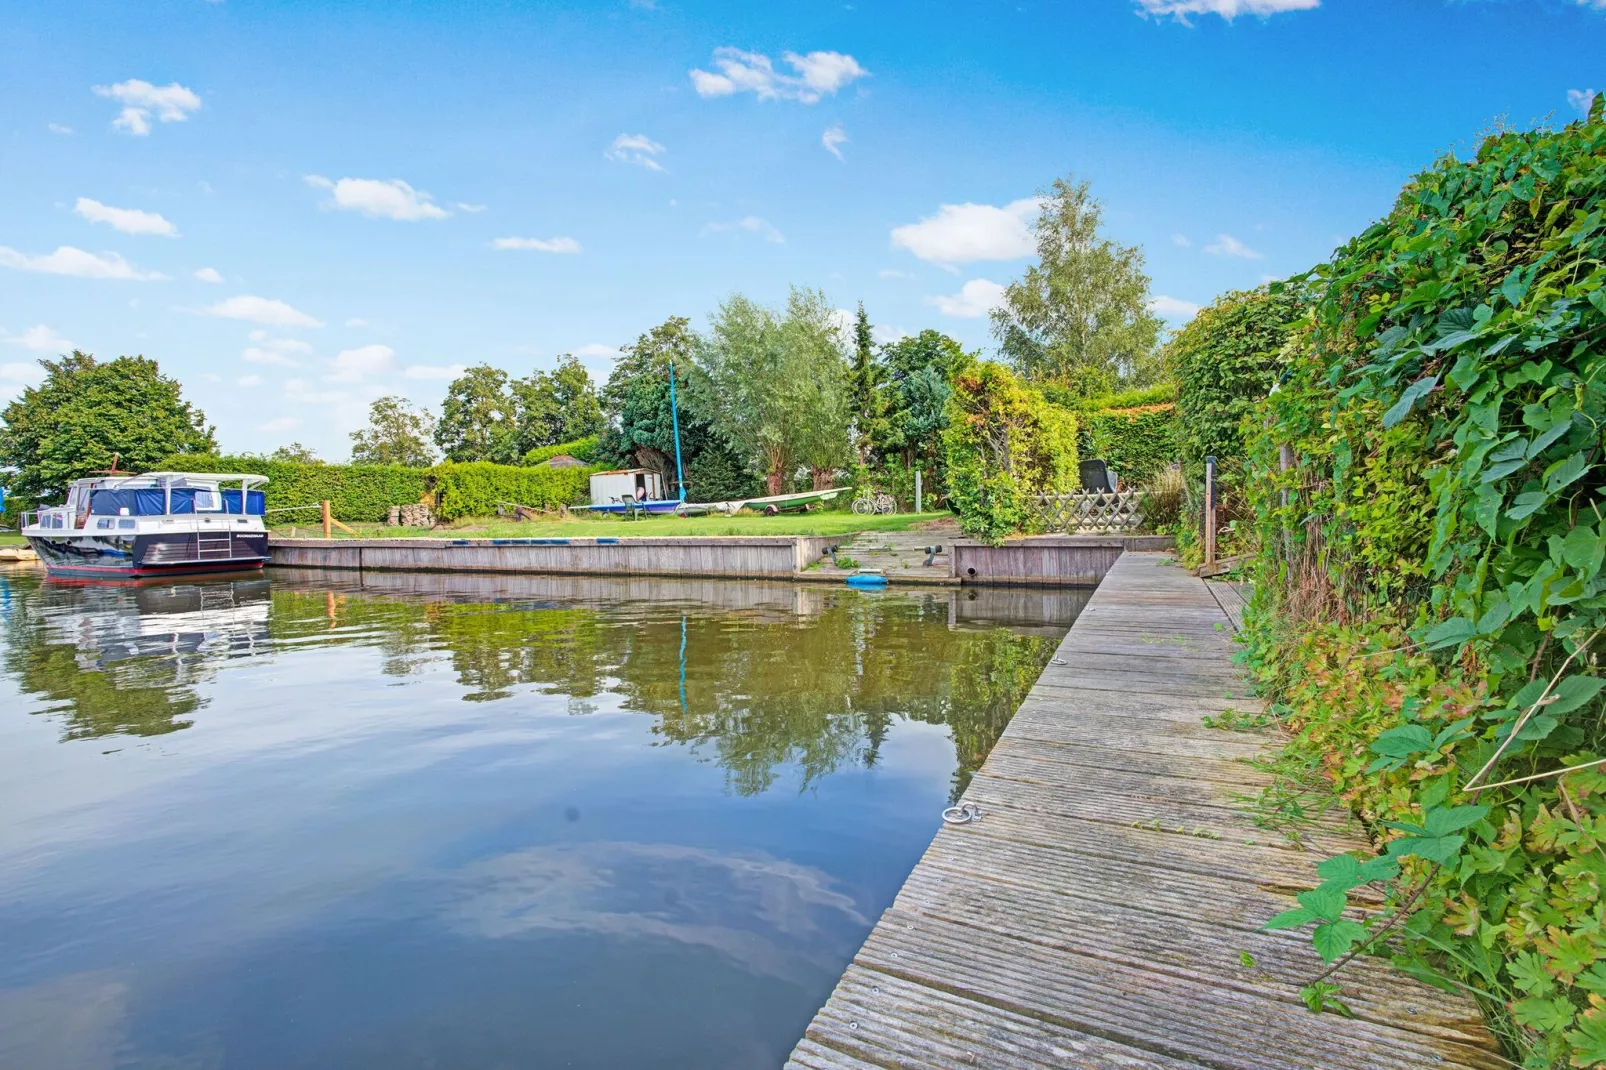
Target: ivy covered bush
x=1430, y=607
x=1225, y=360
x=1004, y=443
x=588, y=449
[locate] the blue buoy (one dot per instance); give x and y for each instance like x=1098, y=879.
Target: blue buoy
x=867, y=580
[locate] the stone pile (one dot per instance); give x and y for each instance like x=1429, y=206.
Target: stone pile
x=411, y=516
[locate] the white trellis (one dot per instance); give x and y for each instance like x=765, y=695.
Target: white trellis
x=1090, y=511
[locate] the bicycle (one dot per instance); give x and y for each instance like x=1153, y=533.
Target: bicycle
x=870, y=503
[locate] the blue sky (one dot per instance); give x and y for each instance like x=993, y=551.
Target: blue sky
x=296, y=207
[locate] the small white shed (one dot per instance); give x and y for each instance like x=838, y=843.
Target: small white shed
x=624, y=484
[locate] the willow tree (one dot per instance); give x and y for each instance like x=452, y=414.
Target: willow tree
x=1079, y=318
x=776, y=386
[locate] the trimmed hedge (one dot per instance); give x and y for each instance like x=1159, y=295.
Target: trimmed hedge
x=1138, y=442
x=475, y=488
x=355, y=492
x=586, y=449
x=363, y=492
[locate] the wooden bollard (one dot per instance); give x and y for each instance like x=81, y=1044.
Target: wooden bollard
x=328, y=519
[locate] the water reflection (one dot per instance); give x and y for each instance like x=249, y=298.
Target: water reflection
x=398, y=820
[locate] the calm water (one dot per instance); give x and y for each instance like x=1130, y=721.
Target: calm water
x=458, y=822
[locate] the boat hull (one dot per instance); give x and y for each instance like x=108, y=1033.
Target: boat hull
x=122, y=555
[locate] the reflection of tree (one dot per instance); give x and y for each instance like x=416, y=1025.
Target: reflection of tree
x=767, y=686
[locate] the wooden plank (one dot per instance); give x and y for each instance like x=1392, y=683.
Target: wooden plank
x=1098, y=913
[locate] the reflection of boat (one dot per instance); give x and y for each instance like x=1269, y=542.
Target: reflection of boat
x=110, y=623
x=158, y=524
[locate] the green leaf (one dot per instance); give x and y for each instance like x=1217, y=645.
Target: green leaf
x=1583, y=549
x=1433, y=848
x=1442, y=820
x=1323, y=996
x=1592, y=979
x=1290, y=919
x=1326, y=902
x=1452, y=632
x=1572, y=693
x=1340, y=868
x=1402, y=742
x=1547, y=1015
x=1413, y=393
x=1337, y=937
x=1528, y=973
x=1566, y=472
x=1589, y=1039
x=1527, y=504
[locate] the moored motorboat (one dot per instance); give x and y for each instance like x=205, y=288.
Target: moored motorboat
x=157, y=524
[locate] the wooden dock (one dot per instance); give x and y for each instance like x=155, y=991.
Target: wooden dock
x=1099, y=912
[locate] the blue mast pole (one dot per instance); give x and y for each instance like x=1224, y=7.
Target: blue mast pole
x=674, y=417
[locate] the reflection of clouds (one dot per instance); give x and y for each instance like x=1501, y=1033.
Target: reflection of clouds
x=73, y=1022
x=762, y=913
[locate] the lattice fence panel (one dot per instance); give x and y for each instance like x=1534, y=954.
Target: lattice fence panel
x=1090, y=511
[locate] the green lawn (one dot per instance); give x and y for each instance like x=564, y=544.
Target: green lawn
x=580, y=527
x=11, y=538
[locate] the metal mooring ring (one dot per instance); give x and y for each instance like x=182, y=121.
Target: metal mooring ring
x=962, y=814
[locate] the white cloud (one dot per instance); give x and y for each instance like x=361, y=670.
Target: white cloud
x=1180, y=240
x=751, y=224
x=207, y=274
x=356, y=322
x=1227, y=245
x=26, y=373
x=265, y=310
x=818, y=74
x=57, y=128
x=297, y=390
x=471, y=209
x=41, y=338
x=353, y=365
x=638, y=149
x=172, y=103
x=1580, y=99
x=127, y=220
x=596, y=349
x=962, y=232
x=260, y=355
x=893, y=273
x=833, y=137
x=380, y=199
x=540, y=245
x=435, y=371
x=1227, y=9
x=67, y=260
x=249, y=380
x=975, y=298
x=280, y=423
x=1172, y=308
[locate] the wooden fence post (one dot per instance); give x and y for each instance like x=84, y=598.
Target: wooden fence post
x=1210, y=513
x=327, y=519
x=918, y=496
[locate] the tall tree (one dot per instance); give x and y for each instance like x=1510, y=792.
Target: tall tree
x=478, y=418
x=85, y=413
x=865, y=381
x=1079, y=318
x=397, y=433
x=652, y=352
x=556, y=406
x=916, y=373
x=775, y=386
x=296, y=453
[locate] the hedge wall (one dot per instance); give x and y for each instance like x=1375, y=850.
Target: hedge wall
x=1137, y=442
x=581, y=449
x=355, y=492
x=475, y=488
x=363, y=492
